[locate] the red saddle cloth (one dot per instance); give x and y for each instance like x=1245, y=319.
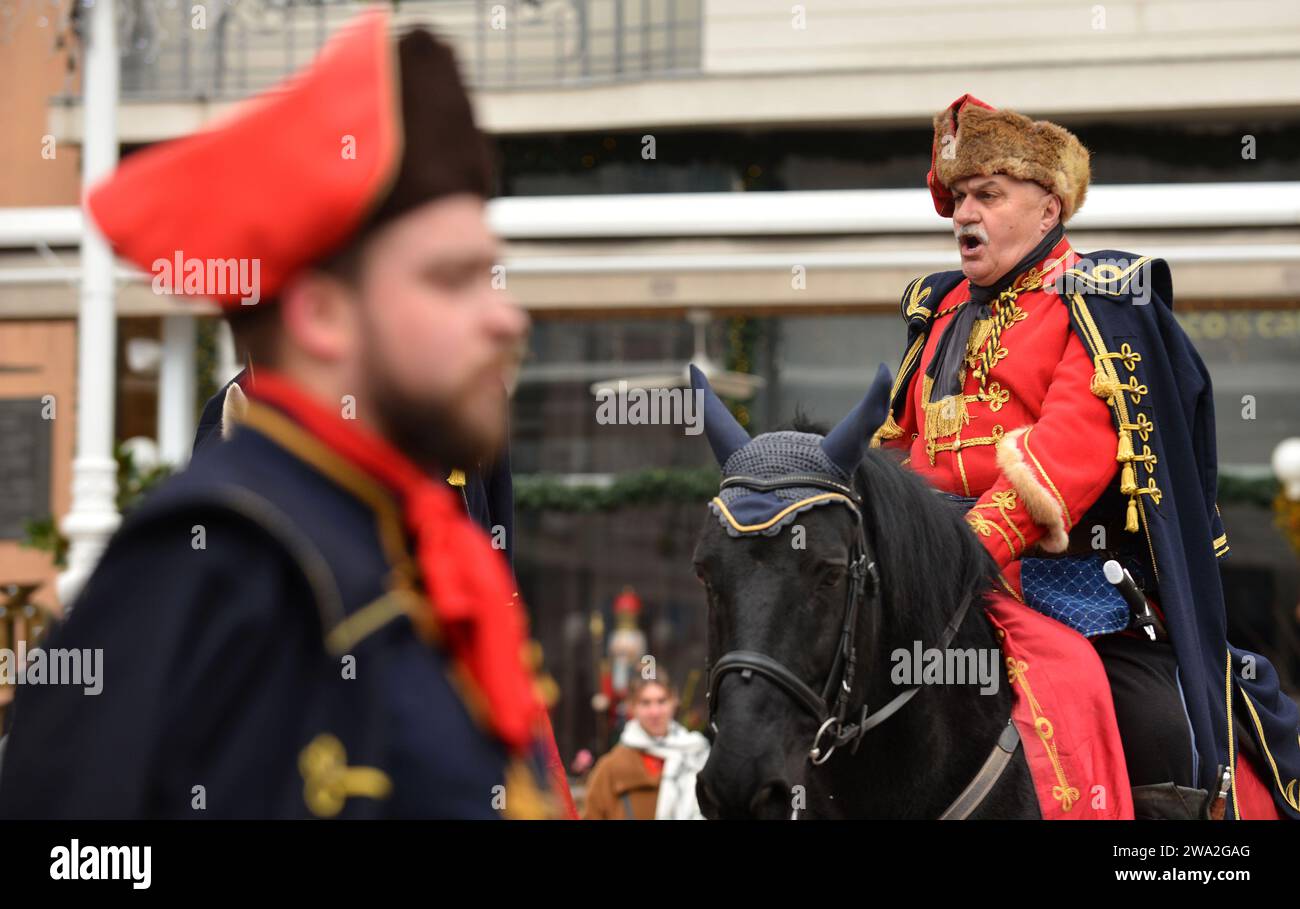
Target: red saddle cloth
x=1063, y=709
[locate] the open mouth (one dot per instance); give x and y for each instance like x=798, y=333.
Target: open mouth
x=970, y=244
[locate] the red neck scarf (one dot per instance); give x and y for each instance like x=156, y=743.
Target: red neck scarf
x=469, y=586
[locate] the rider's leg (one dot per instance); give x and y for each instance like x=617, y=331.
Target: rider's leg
x=1154, y=732
x=1152, y=721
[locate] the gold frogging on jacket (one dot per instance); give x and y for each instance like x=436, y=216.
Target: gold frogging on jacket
x=1113, y=280
x=932, y=448
x=1004, y=503
x=1106, y=384
x=328, y=781
x=984, y=351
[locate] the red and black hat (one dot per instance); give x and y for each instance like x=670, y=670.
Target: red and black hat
x=371, y=129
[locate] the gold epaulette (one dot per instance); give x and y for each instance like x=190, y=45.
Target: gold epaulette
x=914, y=298
x=915, y=311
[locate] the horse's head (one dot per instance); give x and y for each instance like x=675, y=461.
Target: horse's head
x=787, y=561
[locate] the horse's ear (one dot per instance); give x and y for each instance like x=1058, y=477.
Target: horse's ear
x=847, y=442
x=725, y=434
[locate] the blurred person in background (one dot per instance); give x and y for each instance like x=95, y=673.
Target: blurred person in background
x=650, y=774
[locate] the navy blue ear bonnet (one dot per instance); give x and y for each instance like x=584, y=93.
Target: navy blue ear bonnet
x=743, y=511
x=786, y=457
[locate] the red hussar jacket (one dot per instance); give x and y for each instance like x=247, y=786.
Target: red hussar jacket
x=1033, y=443
x=1027, y=383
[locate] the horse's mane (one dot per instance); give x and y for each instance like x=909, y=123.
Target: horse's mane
x=926, y=553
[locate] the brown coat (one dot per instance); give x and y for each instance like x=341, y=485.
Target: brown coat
x=620, y=783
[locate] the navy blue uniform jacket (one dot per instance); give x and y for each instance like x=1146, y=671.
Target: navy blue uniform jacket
x=228, y=608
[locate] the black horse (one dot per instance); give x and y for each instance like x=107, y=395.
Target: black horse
x=806, y=718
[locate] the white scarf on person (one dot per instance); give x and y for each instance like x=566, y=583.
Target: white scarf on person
x=683, y=753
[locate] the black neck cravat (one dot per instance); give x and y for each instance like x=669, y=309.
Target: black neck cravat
x=951, y=350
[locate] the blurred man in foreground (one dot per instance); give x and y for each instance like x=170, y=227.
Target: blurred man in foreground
x=306, y=622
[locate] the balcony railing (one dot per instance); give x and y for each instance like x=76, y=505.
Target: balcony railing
x=242, y=46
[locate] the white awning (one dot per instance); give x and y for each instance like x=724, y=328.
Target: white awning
x=761, y=252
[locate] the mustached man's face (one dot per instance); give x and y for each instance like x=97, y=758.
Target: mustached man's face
x=439, y=346
x=997, y=220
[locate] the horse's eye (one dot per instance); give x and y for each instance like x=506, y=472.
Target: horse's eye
x=830, y=575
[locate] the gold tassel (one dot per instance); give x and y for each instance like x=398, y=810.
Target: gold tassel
x=891, y=430
x=1131, y=523
x=942, y=418
x=1128, y=480
x=1124, y=453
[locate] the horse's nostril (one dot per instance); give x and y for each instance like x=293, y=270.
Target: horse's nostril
x=772, y=801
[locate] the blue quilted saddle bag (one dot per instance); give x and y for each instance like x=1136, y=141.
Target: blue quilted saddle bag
x=1071, y=589
x=1074, y=591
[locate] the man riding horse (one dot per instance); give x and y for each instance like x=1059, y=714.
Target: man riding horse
x=1053, y=398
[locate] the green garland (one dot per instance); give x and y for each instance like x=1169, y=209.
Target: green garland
x=542, y=492
x=1235, y=489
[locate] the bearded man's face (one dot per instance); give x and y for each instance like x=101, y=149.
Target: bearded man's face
x=440, y=345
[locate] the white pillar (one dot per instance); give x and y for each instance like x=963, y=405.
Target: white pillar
x=93, y=516
x=227, y=365
x=176, y=390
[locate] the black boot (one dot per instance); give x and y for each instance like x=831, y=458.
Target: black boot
x=1170, y=802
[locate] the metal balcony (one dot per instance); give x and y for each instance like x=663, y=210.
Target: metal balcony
x=243, y=46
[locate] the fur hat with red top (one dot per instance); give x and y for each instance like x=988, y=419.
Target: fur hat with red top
x=972, y=138
x=371, y=129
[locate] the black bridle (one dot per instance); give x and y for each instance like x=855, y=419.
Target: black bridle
x=832, y=715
